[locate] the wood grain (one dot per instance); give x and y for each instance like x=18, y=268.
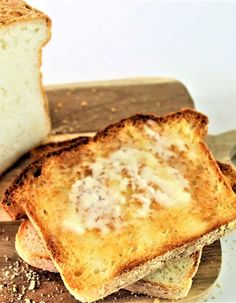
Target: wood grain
x=51, y=284
x=90, y=107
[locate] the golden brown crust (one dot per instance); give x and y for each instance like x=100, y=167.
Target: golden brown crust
x=36, y=255
x=230, y=171
x=198, y=120
x=210, y=222
x=12, y=11
x=13, y=208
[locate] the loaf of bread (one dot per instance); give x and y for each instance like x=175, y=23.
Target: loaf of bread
x=141, y=192
x=24, y=119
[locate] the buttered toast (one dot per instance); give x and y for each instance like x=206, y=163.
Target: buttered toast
x=140, y=192
x=173, y=281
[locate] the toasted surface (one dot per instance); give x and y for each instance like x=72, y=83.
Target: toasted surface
x=16, y=212
x=172, y=281
x=129, y=236
x=229, y=171
x=24, y=119
x=14, y=209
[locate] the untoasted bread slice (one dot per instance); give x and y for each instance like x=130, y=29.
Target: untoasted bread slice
x=173, y=281
x=113, y=216
x=24, y=116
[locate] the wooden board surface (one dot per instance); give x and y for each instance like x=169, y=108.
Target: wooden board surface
x=92, y=106
x=51, y=284
x=88, y=107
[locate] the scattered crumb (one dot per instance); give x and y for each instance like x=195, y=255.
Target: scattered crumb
x=59, y=105
x=69, y=93
x=113, y=109
x=83, y=103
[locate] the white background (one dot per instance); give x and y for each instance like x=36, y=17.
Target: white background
x=192, y=41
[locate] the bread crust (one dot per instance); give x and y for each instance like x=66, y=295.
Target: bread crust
x=169, y=292
x=12, y=11
x=14, y=209
x=37, y=256
x=135, y=269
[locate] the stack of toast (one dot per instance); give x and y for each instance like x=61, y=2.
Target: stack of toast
x=131, y=207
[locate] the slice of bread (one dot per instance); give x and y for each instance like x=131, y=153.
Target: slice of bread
x=141, y=192
x=57, y=142
x=24, y=119
x=173, y=281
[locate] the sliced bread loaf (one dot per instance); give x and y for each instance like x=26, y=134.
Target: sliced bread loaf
x=24, y=119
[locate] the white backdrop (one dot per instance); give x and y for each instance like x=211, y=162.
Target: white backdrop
x=193, y=41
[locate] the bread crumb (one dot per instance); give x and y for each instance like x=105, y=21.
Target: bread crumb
x=113, y=109
x=32, y=285
x=83, y=103
x=59, y=104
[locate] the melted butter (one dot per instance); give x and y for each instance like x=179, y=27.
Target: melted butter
x=129, y=176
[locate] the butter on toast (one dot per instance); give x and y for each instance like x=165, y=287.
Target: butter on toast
x=141, y=192
x=173, y=281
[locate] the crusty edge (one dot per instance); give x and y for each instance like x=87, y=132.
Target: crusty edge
x=189, y=114
x=19, y=11
x=133, y=275
x=13, y=208
x=153, y=289
x=230, y=171
x=33, y=260
x=160, y=290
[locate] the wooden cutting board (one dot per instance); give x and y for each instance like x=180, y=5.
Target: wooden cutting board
x=90, y=107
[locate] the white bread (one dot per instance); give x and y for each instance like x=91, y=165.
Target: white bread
x=173, y=281
x=99, y=254
x=24, y=119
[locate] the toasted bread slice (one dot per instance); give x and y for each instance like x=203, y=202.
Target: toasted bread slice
x=141, y=192
x=172, y=282
x=16, y=212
